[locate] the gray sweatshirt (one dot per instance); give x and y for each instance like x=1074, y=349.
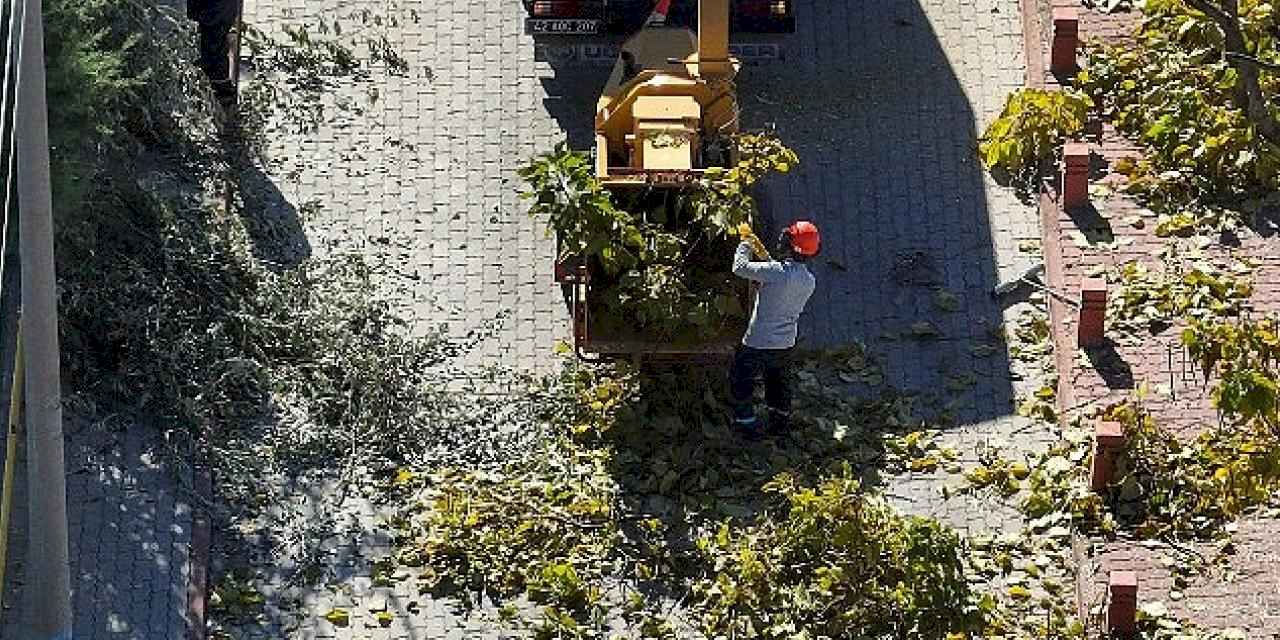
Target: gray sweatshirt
x=785, y=288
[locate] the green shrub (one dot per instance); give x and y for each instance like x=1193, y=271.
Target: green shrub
x=1171, y=90
x=839, y=563
x=1031, y=127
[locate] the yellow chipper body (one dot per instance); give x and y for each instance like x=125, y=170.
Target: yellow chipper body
x=669, y=102
x=666, y=114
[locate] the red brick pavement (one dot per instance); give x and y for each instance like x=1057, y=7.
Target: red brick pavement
x=1247, y=595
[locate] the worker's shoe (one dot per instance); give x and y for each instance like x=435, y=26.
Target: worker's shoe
x=779, y=423
x=746, y=424
x=224, y=91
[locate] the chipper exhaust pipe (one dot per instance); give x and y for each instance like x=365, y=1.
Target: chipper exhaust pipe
x=713, y=38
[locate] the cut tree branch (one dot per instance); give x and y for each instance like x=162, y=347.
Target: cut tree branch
x=1261, y=64
x=1249, y=96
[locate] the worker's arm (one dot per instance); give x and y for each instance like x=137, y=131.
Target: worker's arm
x=743, y=267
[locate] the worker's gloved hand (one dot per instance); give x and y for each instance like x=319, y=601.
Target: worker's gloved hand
x=748, y=236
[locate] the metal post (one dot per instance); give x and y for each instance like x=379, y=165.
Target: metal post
x=47, y=572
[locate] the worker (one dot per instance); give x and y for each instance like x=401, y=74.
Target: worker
x=215, y=19
x=784, y=287
x=629, y=67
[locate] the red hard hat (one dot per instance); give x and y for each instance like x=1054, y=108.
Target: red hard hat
x=804, y=237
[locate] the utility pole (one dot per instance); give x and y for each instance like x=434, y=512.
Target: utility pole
x=48, y=579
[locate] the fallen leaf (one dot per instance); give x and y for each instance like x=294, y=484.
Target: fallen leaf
x=982, y=350
x=946, y=301
x=924, y=329
x=338, y=617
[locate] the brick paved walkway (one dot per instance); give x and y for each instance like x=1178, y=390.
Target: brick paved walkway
x=426, y=175
x=1250, y=599
x=129, y=531
x=894, y=94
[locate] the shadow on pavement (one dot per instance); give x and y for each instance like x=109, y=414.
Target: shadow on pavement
x=275, y=230
x=576, y=83
x=129, y=529
x=678, y=460
x=1110, y=364
x=886, y=136
x=273, y=223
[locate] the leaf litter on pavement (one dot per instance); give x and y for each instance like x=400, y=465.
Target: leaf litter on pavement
x=645, y=485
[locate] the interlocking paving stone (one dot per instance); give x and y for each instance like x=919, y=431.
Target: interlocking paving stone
x=882, y=99
x=129, y=529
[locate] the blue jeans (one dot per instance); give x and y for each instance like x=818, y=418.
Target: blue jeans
x=775, y=364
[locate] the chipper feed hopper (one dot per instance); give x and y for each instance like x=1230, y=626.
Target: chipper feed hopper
x=669, y=103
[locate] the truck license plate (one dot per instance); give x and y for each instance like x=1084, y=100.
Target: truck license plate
x=565, y=26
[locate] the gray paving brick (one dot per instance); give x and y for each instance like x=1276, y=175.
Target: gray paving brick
x=886, y=132
x=123, y=580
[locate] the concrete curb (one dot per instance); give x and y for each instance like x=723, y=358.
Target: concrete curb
x=1050, y=206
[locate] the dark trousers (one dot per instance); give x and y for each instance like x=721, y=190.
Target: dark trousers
x=215, y=51
x=775, y=364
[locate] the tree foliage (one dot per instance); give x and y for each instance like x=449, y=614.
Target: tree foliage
x=836, y=562
x=1185, y=287
x=1029, y=130
x=1169, y=487
x=168, y=314
x=660, y=257
x=1195, y=88
x=1245, y=356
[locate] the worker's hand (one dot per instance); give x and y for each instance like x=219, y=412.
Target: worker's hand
x=748, y=236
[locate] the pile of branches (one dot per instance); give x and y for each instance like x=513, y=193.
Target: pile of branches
x=661, y=258
x=170, y=316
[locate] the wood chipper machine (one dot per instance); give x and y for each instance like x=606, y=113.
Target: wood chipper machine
x=665, y=115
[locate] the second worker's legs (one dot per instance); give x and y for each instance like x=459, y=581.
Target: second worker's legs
x=742, y=382
x=777, y=390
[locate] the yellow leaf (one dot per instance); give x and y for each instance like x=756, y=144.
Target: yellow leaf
x=384, y=618
x=928, y=463
x=338, y=617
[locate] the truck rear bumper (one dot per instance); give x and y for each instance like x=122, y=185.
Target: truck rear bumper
x=584, y=18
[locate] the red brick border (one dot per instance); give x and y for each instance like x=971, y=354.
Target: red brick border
x=1123, y=365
